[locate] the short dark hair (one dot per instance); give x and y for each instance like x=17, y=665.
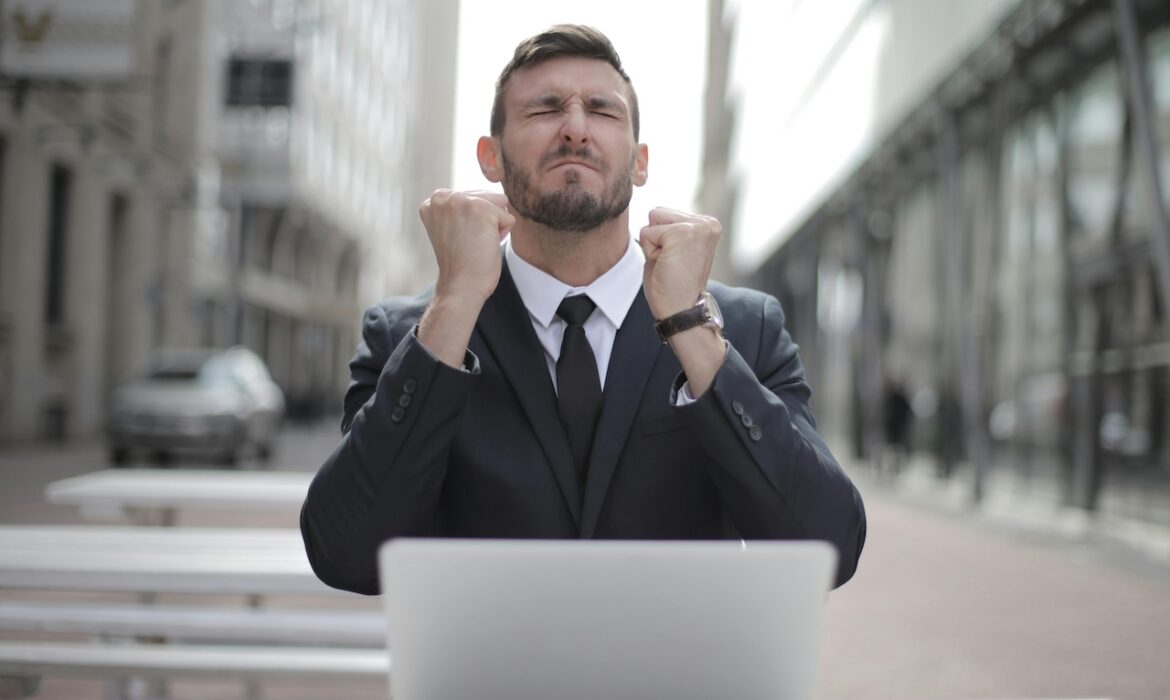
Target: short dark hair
x=561, y=40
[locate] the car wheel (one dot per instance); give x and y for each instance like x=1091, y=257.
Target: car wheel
x=162, y=457
x=119, y=455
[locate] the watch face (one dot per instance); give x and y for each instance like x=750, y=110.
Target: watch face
x=711, y=307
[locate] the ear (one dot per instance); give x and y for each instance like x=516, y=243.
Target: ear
x=641, y=163
x=491, y=160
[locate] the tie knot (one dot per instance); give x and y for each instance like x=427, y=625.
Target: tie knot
x=574, y=310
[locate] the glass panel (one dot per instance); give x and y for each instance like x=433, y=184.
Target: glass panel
x=1027, y=387
x=1096, y=116
x=914, y=301
x=1132, y=434
x=1159, y=53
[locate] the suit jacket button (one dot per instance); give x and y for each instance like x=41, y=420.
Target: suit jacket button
x=737, y=408
x=746, y=420
x=755, y=433
x=409, y=385
x=398, y=414
x=404, y=400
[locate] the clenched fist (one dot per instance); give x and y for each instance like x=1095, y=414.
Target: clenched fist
x=465, y=229
x=679, y=248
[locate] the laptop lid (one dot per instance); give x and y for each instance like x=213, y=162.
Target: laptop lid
x=535, y=620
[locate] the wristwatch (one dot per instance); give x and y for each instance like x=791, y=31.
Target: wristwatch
x=704, y=313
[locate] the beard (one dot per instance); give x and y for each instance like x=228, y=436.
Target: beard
x=571, y=208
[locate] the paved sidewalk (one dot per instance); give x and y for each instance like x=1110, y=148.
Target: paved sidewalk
x=945, y=606
x=945, y=609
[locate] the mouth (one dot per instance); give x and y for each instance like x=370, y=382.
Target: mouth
x=564, y=163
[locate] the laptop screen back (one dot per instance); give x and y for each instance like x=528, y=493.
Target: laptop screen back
x=534, y=620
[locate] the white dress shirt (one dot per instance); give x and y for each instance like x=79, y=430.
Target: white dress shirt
x=613, y=293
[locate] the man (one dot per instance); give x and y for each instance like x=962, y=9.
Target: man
x=531, y=393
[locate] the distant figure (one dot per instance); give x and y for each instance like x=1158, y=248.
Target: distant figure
x=898, y=417
x=573, y=382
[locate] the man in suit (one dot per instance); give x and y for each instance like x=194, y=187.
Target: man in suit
x=577, y=383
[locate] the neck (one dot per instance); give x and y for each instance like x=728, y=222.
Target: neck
x=576, y=258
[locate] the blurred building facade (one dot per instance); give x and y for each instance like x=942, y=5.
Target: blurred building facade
x=967, y=201
x=249, y=174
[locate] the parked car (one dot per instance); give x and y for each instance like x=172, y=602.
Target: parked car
x=213, y=402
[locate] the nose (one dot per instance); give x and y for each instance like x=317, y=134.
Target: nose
x=575, y=130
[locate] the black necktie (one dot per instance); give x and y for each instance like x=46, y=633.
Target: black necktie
x=578, y=387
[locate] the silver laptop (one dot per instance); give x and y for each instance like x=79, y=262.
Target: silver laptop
x=568, y=620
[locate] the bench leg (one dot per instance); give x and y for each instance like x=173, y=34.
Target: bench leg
x=14, y=688
x=145, y=689
x=252, y=688
x=136, y=687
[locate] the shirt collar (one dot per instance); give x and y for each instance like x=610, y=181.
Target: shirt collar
x=613, y=291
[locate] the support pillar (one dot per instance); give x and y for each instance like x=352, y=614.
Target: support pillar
x=1138, y=93
x=970, y=381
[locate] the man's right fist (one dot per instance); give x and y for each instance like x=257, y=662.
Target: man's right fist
x=466, y=229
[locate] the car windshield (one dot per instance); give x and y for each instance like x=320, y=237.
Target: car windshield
x=215, y=371
x=173, y=374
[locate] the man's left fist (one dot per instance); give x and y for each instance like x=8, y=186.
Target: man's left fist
x=679, y=248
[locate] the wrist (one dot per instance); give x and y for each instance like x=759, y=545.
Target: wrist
x=703, y=313
x=459, y=296
x=669, y=307
x=446, y=326
x=464, y=289
x=701, y=354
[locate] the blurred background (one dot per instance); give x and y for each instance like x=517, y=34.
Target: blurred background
x=961, y=204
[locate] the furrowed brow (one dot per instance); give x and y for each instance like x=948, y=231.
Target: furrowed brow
x=604, y=103
x=547, y=100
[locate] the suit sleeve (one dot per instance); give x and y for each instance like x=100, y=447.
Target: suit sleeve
x=385, y=477
x=774, y=473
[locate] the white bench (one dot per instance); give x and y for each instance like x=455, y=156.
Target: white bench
x=156, y=560
x=247, y=663
x=250, y=562
x=187, y=623
x=155, y=495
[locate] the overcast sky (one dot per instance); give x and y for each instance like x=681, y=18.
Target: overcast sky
x=663, y=49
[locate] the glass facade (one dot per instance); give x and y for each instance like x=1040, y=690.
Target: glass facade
x=1034, y=240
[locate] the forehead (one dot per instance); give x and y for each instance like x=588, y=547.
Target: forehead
x=566, y=76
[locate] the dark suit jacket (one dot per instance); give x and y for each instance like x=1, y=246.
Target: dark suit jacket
x=429, y=450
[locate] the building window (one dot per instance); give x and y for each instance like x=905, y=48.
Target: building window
x=160, y=92
x=1096, y=117
x=3, y=237
x=60, y=185
x=259, y=82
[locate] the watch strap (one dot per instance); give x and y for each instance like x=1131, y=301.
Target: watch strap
x=681, y=321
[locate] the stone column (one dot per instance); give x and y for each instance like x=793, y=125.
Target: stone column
x=85, y=308
x=141, y=283
x=26, y=177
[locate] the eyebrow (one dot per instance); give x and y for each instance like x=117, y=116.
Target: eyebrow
x=546, y=100
x=554, y=100
x=604, y=103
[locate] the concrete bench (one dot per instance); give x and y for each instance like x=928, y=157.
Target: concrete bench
x=156, y=560
x=153, y=496
x=358, y=628
x=173, y=661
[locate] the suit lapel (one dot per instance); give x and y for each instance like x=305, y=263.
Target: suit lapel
x=635, y=350
x=506, y=329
